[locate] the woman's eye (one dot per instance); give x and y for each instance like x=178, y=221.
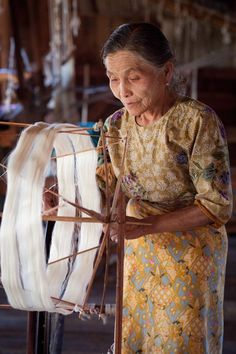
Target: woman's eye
x=134, y=78
x=113, y=79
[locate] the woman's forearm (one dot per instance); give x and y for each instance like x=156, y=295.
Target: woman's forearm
x=179, y=220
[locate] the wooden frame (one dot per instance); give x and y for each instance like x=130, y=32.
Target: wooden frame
x=118, y=205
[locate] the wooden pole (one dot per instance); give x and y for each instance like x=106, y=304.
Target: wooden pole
x=16, y=34
x=120, y=272
x=5, y=35
x=34, y=38
x=31, y=332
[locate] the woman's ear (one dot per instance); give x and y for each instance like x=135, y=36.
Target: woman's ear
x=168, y=71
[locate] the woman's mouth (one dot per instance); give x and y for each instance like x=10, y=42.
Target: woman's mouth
x=130, y=104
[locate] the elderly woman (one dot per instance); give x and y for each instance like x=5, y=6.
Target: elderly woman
x=176, y=178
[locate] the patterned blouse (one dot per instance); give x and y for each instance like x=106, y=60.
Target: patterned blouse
x=179, y=160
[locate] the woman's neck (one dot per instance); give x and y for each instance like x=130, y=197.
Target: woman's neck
x=150, y=117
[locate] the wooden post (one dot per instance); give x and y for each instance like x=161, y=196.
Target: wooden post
x=5, y=35
x=120, y=272
x=31, y=332
x=34, y=40
x=16, y=34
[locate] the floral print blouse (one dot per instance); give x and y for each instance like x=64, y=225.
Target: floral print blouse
x=179, y=160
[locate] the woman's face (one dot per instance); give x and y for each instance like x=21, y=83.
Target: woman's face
x=140, y=86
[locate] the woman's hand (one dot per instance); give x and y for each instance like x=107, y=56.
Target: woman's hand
x=134, y=228
x=179, y=220
x=50, y=201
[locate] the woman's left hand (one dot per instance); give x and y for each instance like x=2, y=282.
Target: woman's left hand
x=179, y=220
x=133, y=229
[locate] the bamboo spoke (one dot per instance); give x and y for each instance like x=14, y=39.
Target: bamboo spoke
x=24, y=125
x=108, y=198
x=70, y=219
x=89, y=212
x=105, y=274
x=15, y=124
x=3, y=174
x=3, y=166
x=78, y=133
x=82, y=219
x=6, y=307
x=119, y=180
x=97, y=262
x=80, y=152
x=75, y=129
x=73, y=255
x=67, y=303
x=49, y=211
x=72, y=131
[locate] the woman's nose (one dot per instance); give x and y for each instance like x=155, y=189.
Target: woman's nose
x=124, y=90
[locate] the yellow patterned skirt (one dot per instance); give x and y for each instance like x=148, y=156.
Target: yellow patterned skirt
x=173, y=290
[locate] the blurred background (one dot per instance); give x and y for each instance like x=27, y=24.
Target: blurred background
x=50, y=70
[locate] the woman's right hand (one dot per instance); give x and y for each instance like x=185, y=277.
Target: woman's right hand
x=50, y=201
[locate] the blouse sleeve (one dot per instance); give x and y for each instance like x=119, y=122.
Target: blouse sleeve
x=210, y=169
x=100, y=171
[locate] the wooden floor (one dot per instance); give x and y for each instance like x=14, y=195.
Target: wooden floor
x=94, y=337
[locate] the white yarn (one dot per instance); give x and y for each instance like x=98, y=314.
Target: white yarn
x=62, y=237
x=90, y=198
x=13, y=255
x=29, y=228
x=27, y=280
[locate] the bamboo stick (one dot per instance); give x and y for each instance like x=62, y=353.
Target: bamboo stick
x=76, y=132
x=80, y=152
x=67, y=303
x=119, y=180
x=70, y=219
x=15, y=124
x=25, y=125
x=97, y=262
x=89, y=212
x=82, y=219
x=72, y=130
x=6, y=307
x=105, y=275
x=108, y=197
x=73, y=255
x=3, y=166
